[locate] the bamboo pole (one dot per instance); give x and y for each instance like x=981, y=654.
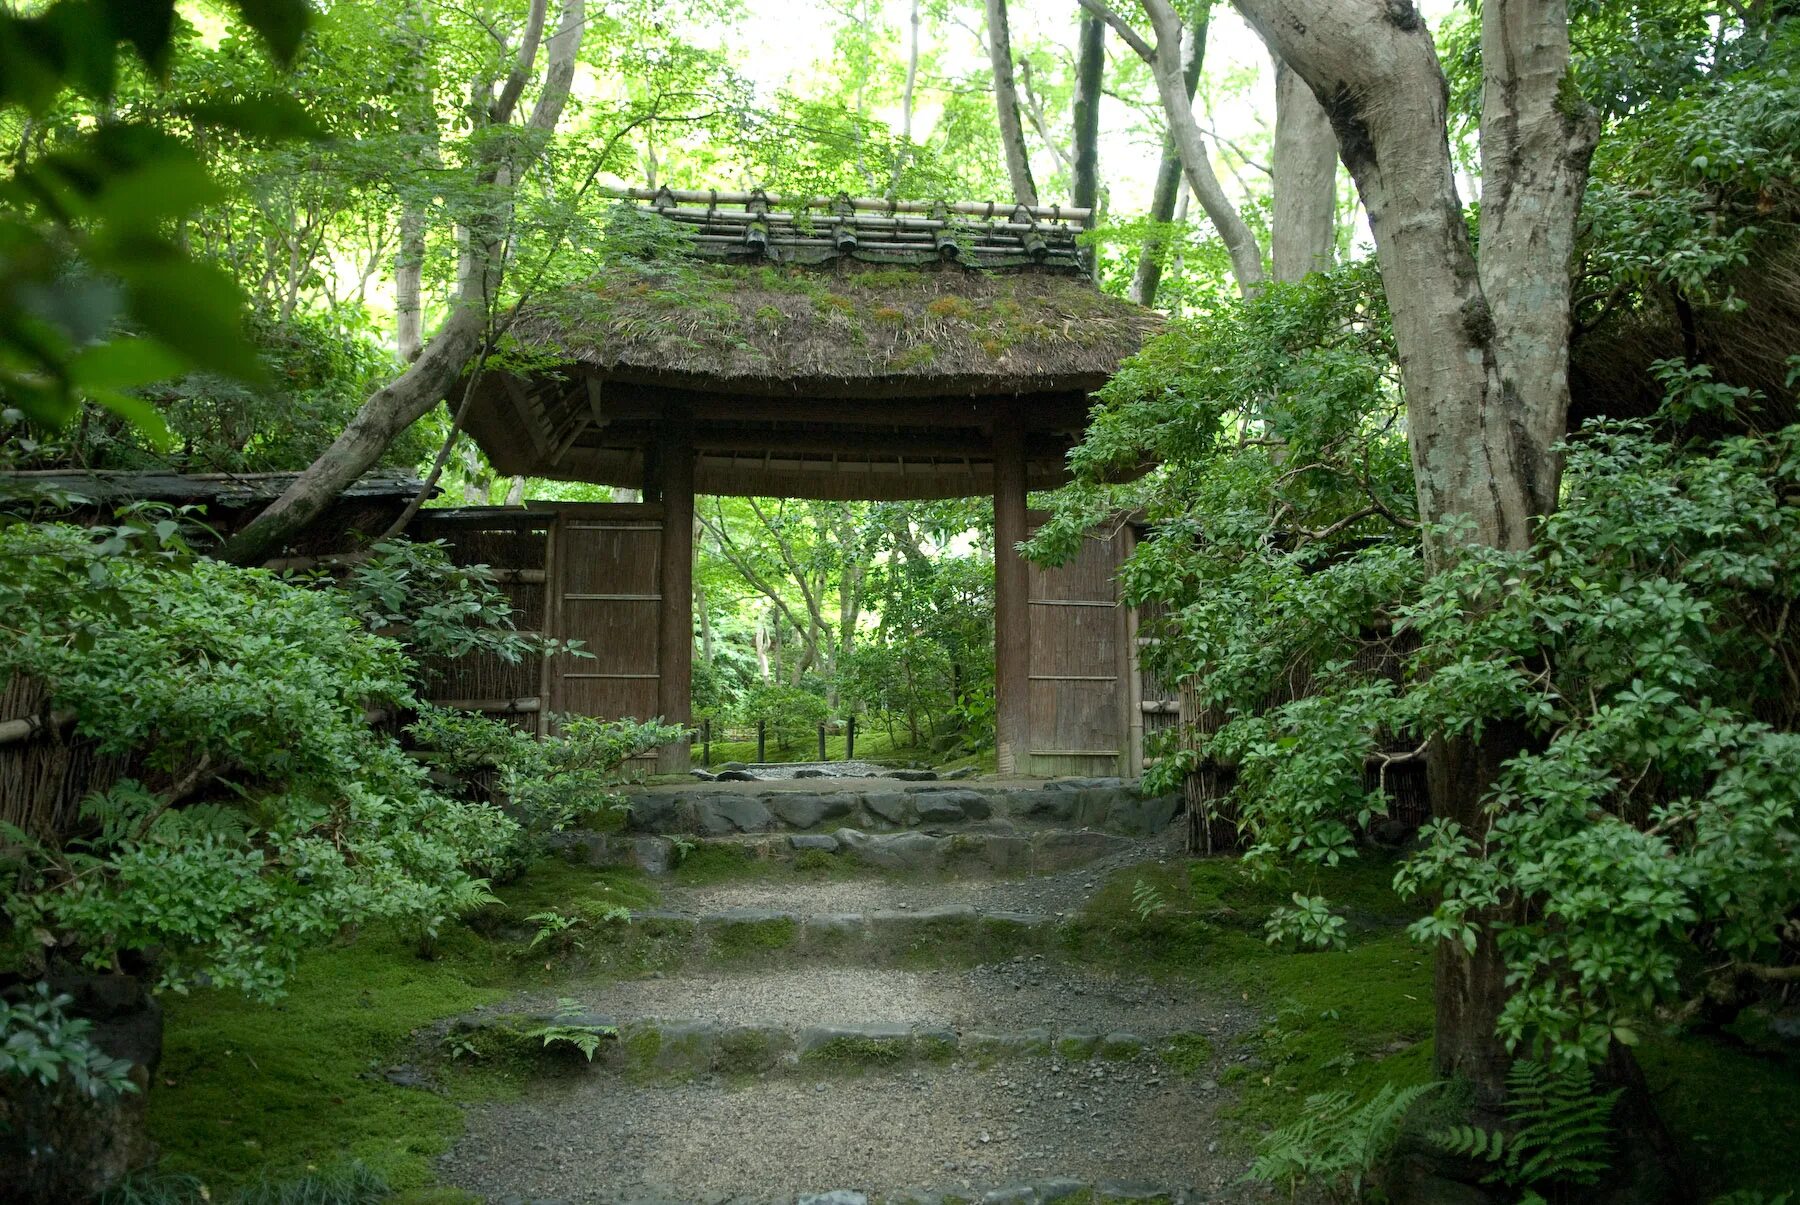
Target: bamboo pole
x=873, y=204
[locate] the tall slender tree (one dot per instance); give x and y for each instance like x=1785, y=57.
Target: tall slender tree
x=1148, y=277
x=1006, y=106
x=469, y=327
x=1090, y=71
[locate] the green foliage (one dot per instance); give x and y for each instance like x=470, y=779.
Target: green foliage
x=88, y=231
x=264, y=814
x=1559, y=1129
x=413, y=592
x=1336, y=1142
x=39, y=1041
x=1146, y=900
x=545, y=784
x=566, y=1031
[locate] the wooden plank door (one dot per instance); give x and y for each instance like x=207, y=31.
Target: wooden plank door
x=605, y=564
x=1081, y=662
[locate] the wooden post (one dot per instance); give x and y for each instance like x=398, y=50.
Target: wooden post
x=762, y=741
x=1012, y=612
x=706, y=742
x=850, y=739
x=674, y=688
x=822, y=756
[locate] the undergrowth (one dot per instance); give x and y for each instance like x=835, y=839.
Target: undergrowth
x=249, y=1094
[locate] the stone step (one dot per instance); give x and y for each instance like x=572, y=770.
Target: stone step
x=943, y=932
x=1048, y=1190
x=1000, y=850
x=824, y=805
x=1031, y=992
x=665, y=1049
x=968, y=1131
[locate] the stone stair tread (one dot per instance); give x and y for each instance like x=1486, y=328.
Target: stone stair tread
x=719, y=809
x=1022, y=995
x=967, y=1132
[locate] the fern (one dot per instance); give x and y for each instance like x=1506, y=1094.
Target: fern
x=1561, y=1129
x=1336, y=1142
x=1146, y=900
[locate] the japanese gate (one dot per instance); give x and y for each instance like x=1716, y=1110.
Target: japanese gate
x=828, y=348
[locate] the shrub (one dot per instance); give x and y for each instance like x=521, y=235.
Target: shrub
x=263, y=814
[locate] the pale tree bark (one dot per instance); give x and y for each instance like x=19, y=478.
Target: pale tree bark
x=906, y=103
x=1303, y=229
x=1483, y=346
x=1148, y=277
x=1006, y=106
x=1090, y=70
x=409, y=260
x=397, y=405
x=1165, y=56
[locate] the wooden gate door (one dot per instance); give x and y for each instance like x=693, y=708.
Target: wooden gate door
x=605, y=566
x=1082, y=665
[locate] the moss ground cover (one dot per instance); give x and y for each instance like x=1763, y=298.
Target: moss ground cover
x=247, y=1090
x=1359, y=1017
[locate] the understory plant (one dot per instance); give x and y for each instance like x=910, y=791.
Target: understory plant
x=545, y=784
x=260, y=812
x=1337, y=1142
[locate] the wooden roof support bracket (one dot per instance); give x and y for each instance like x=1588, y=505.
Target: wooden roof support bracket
x=517, y=394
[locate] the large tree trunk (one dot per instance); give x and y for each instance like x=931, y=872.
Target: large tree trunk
x=1483, y=348
x=1090, y=69
x=393, y=408
x=1148, y=277
x=1006, y=105
x=1303, y=233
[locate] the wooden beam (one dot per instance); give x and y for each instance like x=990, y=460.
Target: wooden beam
x=520, y=398
x=675, y=641
x=1012, y=592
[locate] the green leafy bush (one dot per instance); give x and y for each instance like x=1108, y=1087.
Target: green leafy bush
x=264, y=814
x=545, y=784
x=39, y=1041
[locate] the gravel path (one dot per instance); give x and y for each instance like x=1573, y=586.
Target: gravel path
x=597, y=1138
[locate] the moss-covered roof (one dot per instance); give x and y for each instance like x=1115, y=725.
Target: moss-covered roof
x=778, y=329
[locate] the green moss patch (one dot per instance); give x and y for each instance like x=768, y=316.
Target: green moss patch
x=248, y=1088
x=750, y=938
x=1187, y=1053
x=850, y=1052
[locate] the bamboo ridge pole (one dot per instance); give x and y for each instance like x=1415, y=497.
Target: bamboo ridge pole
x=874, y=204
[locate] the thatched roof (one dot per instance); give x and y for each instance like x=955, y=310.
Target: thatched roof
x=790, y=331
x=819, y=347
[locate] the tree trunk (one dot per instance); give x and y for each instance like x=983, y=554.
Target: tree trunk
x=906, y=104
x=1483, y=348
x=393, y=408
x=1090, y=68
x=1148, y=277
x=1006, y=105
x=1303, y=233
x=1166, y=57
x=1171, y=86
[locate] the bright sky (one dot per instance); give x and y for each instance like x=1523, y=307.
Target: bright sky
x=787, y=42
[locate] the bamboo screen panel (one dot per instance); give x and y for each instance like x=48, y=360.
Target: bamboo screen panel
x=1080, y=665
x=514, y=544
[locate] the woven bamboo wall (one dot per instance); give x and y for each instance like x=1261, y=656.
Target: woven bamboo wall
x=515, y=543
